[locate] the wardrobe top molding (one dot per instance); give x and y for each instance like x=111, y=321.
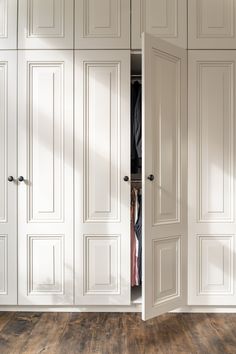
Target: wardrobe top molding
x=116, y=24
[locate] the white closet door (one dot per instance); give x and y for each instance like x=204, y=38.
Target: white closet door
x=212, y=217
x=8, y=189
x=102, y=159
x=45, y=196
x=166, y=19
x=103, y=24
x=165, y=176
x=8, y=24
x=212, y=24
x=45, y=24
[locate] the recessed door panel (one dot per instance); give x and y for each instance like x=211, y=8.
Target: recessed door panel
x=166, y=19
x=215, y=254
x=215, y=144
x=8, y=24
x=3, y=265
x=211, y=24
x=46, y=274
x=102, y=24
x=166, y=138
x=103, y=18
x=102, y=273
x=46, y=18
x=3, y=141
x=45, y=24
x=102, y=144
x=45, y=196
x=47, y=164
x=166, y=269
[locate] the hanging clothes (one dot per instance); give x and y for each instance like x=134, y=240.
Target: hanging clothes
x=133, y=240
x=138, y=232
x=136, y=126
x=136, y=237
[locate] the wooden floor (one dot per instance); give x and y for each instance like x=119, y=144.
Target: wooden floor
x=108, y=333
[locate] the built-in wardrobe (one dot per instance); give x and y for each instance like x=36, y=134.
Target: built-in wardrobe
x=66, y=73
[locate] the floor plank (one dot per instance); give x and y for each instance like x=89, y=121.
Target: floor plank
x=116, y=333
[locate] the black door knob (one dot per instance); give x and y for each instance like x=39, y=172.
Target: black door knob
x=126, y=178
x=21, y=179
x=10, y=179
x=151, y=177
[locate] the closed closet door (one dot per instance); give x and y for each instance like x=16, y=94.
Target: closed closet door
x=102, y=159
x=103, y=24
x=45, y=24
x=8, y=170
x=165, y=176
x=45, y=168
x=211, y=24
x=8, y=24
x=212, y=216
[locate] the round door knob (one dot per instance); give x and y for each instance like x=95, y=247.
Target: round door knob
x=21, y=179
x=126, y=178
x=151, y=177
x=10, y=179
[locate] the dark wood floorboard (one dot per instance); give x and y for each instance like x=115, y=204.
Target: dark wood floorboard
x=116, y=333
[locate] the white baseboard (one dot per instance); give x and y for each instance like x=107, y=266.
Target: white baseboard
x=206, y=309
x=131, y=308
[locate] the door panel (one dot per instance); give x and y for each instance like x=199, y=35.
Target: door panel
x=102, y=24
x=211, y=177
x=8, y=24
x=45, y=273
x=8, y=167
x=46, y=203
x=102, y=159
x=45, y=24
x=164, y=157
x=46, y=163
x=166, y=19
x=102, y=144
x=102, y=264
x=215, y=257
x=211, y=24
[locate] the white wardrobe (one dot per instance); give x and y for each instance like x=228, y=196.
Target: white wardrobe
x=65, y=178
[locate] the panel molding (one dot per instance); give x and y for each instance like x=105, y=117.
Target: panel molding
x=168, y=29
x=110, y=283
x=3, y=19
x=35, y=31
x=166, y=19
x=211, y=24
x=223, y=30
x=227, y=141
x=56, y=285
x=4, y=264
x=53, y=72
x=93, y=31
x=165, y=292
x=108, y=154
x=174, y=156
x=3, y=142
x=205, y=286
x=103, y=24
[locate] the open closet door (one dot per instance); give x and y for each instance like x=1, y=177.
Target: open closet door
x=165, y=176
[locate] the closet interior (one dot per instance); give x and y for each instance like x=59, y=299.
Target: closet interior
x=136, y=178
